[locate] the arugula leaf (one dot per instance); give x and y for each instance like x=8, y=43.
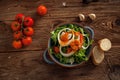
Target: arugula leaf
x=81, y=30
x=64, y=49
x=54, y=37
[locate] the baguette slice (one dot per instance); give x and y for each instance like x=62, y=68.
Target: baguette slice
x=97, y=55
x=105, y=44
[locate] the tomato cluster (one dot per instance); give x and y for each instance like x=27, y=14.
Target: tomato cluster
x=22, y=31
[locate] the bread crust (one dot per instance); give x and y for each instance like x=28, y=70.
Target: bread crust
x=100, y=55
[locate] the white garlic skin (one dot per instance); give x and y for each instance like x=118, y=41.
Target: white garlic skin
x=81, y=17
x=92, y=16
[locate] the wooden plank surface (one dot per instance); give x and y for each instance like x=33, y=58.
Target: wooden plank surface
x=27, y=63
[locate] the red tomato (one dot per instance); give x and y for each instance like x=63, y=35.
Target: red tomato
x=28, y=21
x=17, y=44
x=15, y=26
x=17, y=35
x=75, y=45
x=19, y=17
x=56, y=49
x=81, y=40
x=64, y=37
x=26, y=41
x=41, y=10
x=69, y=50
x=28, y=31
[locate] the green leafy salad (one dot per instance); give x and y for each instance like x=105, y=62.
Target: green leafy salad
x=69, y=44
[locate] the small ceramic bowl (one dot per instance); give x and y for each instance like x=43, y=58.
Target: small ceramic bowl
x=53, y=59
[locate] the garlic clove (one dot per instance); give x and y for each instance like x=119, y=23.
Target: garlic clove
x=81, y=17
x=92, y=16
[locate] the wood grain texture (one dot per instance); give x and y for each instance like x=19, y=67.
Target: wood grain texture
x=30, y=66
x=27, y=63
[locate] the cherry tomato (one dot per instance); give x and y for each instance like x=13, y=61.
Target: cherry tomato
x=17, y=44
x=19, y=17
x=17, y=35
x=28, y=31
x=26, y=41
x=28, y=22
x=41, y=10
x=15, y=26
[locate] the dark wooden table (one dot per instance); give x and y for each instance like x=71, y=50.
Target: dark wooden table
x=27, y=63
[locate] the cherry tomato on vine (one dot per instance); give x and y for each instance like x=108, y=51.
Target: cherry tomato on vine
x=17, y=35
x=28, y=31
x=28, y=22
x=17, y=44
x=26, y=41
x=15, y=26
x=19, y=17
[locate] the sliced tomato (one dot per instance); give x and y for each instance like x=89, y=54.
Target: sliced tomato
x=75, y=45
x=56, y=49
x=77, y=33
x=64, y=37
x=81, y=40
x=69, y=50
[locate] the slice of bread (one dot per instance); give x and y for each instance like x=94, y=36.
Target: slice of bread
x=105, y=44
x=97, y=55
